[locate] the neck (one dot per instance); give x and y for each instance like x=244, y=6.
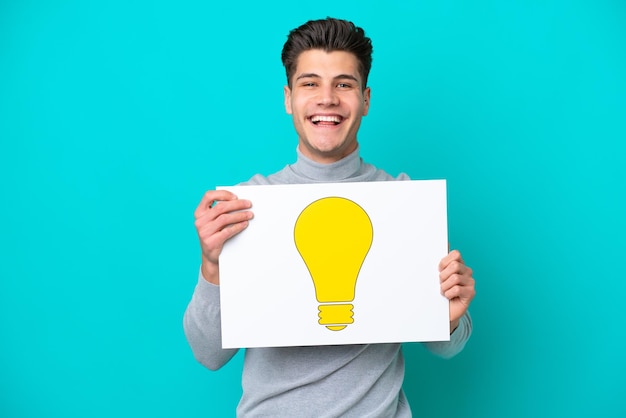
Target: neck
x=327, y=157
x=340, y=170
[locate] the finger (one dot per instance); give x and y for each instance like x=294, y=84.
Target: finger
x=450, y=282
x=457, y=280
x=231, y=230
x=465, y=293
x=454, y=267
x=453, y=292
x=210, y=197
x=462, y=290
x=215, y=241
x=453, y=255
x=459, y=286
x=223, y=221
x=220, y=209
x=230, y=206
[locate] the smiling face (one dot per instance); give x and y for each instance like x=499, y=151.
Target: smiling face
x=327, y=101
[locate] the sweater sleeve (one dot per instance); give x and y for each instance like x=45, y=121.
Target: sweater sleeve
x=203, y=326
x=449, y=349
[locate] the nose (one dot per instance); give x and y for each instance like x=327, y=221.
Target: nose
x=328, y=96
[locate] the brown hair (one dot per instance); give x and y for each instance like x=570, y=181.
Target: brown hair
x=329, y=35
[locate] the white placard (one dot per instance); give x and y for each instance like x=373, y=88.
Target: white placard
x=269, y=293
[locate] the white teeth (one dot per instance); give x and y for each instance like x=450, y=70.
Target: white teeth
x=321, y=118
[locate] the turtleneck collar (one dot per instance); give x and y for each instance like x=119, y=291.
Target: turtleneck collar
x=347, y=167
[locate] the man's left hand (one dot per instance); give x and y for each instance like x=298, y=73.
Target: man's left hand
x=457, y=284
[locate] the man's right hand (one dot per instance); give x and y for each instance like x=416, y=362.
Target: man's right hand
x=219, y=216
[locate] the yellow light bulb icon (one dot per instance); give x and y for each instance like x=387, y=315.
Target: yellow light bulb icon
x=333, y=236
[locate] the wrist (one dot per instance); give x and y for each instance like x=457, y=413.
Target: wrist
x=210, y=271
x=454, y=325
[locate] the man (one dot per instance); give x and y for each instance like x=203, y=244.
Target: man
x=327, y=64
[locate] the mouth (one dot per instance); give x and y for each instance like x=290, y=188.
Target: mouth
x=326, y=120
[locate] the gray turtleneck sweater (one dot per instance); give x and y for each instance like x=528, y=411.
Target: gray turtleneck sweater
x=326, y=381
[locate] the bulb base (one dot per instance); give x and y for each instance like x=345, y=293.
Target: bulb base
x=336, y=327
x=336, y=316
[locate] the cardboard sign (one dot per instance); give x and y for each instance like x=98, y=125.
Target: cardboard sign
x=336, y=263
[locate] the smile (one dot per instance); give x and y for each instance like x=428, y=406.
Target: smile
x=326, y=119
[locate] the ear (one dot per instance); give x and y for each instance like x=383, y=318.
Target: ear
x=366, y=100
x=287, y=92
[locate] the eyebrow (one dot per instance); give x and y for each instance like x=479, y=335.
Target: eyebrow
x=338, y=77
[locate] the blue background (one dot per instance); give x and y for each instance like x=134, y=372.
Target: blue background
x=116, y=116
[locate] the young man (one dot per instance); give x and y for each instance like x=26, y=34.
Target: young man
x=327, y=64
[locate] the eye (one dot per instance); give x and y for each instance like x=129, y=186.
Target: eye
x=344, y=85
